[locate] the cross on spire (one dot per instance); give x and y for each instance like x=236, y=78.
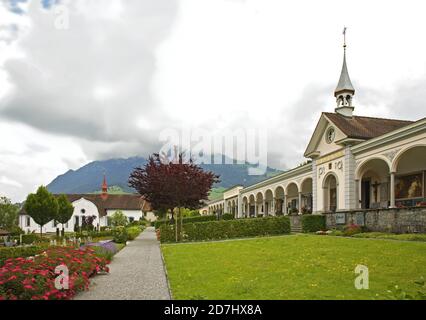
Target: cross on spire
x=344, y=91
x=344, y=37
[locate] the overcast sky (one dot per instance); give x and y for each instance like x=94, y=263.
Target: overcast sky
x=126, y=70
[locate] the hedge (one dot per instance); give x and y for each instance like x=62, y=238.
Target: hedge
x=227, y=216
x=196, y=219
x=313, y=223
x=228, y=229
x=16, y=252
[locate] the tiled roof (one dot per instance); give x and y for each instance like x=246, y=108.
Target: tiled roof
x=365, y=127
x=4, y=232
x=112, y=202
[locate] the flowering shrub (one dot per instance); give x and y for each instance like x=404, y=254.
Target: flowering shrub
x=352, y=229
x=16, y=252
x=120, y=235
x=103, y=249
x=34, y=278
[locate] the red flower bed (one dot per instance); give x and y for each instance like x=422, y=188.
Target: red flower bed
x=34, y=278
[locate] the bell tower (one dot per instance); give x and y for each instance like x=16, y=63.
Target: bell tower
x=344, y=91
x=104, y=194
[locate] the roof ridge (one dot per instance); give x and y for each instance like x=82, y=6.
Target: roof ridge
x=377, y=118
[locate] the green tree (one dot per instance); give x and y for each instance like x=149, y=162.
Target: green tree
x=65, y=211
x=118, y=219
x=8, y=214
x=189, y=213
x=42, y=206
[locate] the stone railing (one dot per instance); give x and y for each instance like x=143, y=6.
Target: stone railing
x=397, y=220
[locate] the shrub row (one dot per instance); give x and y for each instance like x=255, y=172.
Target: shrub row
x=123, y=234
x=16, y=252
x=228, y=229
x=185, y=220
x=313, y=223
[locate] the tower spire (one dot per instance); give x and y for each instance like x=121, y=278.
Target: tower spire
x=104, y=188
x=344, y=91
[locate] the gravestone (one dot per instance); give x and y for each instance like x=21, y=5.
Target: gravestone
x=360, y=219
x=340, y=218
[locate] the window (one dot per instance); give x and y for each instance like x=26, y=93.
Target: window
x=131, y=219
x=83, y=211
x=28, y=222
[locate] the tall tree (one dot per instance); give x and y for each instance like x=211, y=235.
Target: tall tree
x=65, y=211
x=8, y=214
x=42, y=206
x=174, y=184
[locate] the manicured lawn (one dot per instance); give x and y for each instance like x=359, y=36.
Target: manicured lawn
x=292, y=267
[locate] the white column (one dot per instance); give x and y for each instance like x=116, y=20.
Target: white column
x=273, y=206
x=392, y=189
x=255, y=208
x=239, y=206
x=359, y=188
x=264, y=207
x=284, y=206
x=300, y=202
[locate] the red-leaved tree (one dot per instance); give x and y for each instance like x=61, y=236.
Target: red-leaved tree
x=174, y=184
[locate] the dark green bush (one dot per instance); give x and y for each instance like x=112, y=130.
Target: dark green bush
x=313, y=223
x=94, y=234
x=228, y=229
x=227, y=216
x=16, y=252
x=32, y=238
x=185, y=220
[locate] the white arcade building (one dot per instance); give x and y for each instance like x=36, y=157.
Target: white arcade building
x=355, y=162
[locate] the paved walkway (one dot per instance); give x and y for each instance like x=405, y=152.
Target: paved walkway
x=136, y=273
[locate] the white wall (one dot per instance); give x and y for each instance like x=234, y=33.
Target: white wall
x=89, y=209
x=135, y=214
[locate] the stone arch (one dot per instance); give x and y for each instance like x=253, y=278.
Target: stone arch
x=292, y=204
x=400, y=154
x=279, y=195
x=269, y=202
x=259, y=203
x=252, y=205
x=330, y=188
x=409, y=176
x=306, y=188
x=358, y=170
x=373, y=183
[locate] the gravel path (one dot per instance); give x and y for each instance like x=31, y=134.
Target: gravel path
x=136, y=273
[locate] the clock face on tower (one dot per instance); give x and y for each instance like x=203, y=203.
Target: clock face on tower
x=330, y=135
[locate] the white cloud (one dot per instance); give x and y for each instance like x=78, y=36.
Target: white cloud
x=125, y=70
x=30, y=158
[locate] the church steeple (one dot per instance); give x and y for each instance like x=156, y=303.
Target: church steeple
x=104, y=194
x=344, y=91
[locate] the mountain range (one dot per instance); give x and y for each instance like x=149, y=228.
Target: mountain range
x=88, y=179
